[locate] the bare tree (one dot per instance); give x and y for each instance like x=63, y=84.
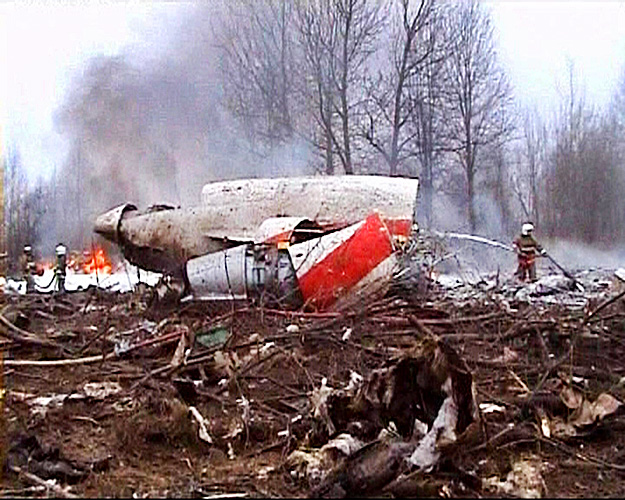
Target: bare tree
x=23, y=210
x=390, y=105
x=338, y=37
x=15, y=209
x=317, y=39
x=617, y=105
x=585, y=182
x=531, y=164
x=258, y=66
x=494, y=201
x=425, y=94
x=477, y=92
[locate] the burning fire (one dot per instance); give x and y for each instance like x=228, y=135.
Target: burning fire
x=98, y=263
x=44, y=265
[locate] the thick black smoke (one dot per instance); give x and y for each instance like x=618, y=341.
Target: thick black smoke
x=152, y=128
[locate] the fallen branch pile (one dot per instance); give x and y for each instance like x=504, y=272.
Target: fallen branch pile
x=208, y=399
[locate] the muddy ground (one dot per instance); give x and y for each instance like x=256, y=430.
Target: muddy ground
x=121, y=424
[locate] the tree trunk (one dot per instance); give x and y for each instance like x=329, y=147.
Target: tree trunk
x=427, y=190
x=344, y=105
x=329, y=154
x=327, y=130
x=471, y=201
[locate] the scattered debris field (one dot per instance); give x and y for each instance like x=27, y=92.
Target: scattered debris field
x=110, y=394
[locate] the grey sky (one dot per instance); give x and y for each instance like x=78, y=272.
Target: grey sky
x=43, y=44
x=536, y=38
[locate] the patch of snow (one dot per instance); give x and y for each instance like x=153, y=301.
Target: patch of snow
x=123, y=280
x=449, y=281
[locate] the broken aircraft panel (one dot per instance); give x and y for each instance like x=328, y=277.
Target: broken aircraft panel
x=332, y=200
x=259, y=273
x=285, y=231
x=318, y=273
x=339, y=235
x=342, y=263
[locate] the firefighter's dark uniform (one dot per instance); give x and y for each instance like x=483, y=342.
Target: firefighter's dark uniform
x=60, y=269
x=29, y=270
x=527, y=250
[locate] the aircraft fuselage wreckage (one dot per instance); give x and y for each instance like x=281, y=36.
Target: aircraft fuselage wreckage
x=317, y=242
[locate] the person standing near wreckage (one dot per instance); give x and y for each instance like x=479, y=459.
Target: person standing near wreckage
x=29, y=268
x=527, y=249
x=60, y=269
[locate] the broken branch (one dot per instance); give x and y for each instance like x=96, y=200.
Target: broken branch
x=33, y=479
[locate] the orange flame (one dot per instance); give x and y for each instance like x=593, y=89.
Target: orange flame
x=98, y=262
x=44, y=265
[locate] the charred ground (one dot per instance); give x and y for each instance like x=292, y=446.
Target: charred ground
x=122, y=425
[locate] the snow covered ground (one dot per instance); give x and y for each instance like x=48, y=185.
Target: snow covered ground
x=124, y=279
x=598, y=284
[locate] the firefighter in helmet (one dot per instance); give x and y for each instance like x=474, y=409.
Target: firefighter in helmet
x=29, y=268
x=60, y=269
x=527, y=249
